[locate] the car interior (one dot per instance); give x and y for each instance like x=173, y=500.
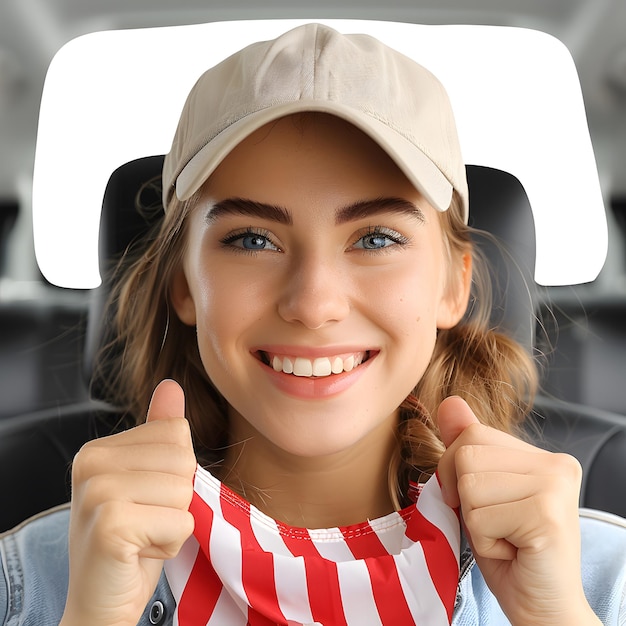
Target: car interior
x=50, y=336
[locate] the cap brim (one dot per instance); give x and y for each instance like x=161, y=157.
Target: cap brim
x=417, y=167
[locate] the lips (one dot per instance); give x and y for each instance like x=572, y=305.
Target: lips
x=318, y=367
x=308, y=373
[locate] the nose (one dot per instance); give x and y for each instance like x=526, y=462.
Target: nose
x=316, y=292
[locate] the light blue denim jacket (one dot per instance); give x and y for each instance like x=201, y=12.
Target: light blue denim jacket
x=33, y=577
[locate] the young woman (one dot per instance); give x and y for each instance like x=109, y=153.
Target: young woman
x=308, y=291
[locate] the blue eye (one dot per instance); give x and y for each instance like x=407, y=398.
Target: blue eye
x=378, y=239
x=254, y=242
x=374, y=242
x=250, y=241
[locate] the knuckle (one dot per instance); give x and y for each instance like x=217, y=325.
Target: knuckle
x=109, y=522
x=467, y=484
x=480, y=546
x=178, y=430
x=473, y=519
x=465, y=457
x=87, y=461
x=570, y=466
x=96, y=490
x=180, y=492
x=186, y=495
x=182, y=461
x=110, y=513
x=549, y=519
x=566, y=472
x=189, y=464
x=185, y=526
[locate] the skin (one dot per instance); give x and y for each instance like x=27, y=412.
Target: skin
x=315, y=286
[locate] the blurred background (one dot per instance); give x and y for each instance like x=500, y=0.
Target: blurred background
x=582, y=329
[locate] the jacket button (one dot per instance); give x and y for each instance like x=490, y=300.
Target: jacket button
x=157, y=612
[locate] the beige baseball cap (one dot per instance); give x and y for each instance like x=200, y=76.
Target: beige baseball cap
x=394, y=100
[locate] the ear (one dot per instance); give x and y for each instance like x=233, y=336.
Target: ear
x=456, y=296
x=182, y=299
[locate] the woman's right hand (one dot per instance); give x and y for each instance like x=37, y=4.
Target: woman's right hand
x=130, y=498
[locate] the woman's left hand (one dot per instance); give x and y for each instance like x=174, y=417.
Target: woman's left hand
x=519, y=506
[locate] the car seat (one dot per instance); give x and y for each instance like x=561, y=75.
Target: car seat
x=585, y=344
x=36, y=450
x=34, y=378
x=597, y=438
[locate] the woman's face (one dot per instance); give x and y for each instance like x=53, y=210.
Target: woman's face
x=316, y=276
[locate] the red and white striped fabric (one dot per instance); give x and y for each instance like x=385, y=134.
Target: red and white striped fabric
x=241, y=567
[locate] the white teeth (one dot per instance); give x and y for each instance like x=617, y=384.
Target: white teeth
x=282, y=365
x=302, y=367
x=323, y=366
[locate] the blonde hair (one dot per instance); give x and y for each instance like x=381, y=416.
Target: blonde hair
x=148, y=343
x=493, y=373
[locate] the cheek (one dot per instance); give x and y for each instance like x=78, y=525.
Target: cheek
x=211, y=322
x=228, y=303
x=408, y=297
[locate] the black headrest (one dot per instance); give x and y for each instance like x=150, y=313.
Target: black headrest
x=498, y=205
x=131, y=207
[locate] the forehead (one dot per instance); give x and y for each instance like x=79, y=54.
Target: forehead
x=308, y=132
x=310, y=154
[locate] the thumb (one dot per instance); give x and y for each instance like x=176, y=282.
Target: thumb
x=453, y=417
x=168, y=401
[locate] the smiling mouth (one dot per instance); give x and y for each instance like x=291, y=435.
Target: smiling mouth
x=314, y=368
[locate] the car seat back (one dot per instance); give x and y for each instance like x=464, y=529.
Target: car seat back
x=36, y=450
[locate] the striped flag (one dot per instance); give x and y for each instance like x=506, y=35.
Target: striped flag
x=241, y=567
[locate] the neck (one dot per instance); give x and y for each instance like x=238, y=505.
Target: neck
x=340, y=489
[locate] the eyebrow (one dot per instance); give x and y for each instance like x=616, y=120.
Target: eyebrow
x=248, y=208
x=349, y=213
x=365, y=208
